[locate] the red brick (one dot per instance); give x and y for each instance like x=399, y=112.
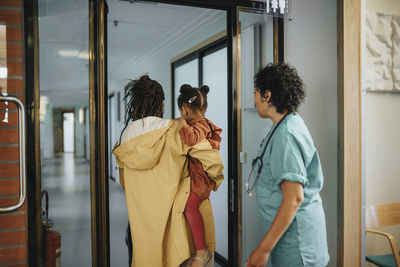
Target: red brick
x=14, y=86
x=10, y=17
x=14, y=68
x=14, y=51
x=14, y=34
x=9, y=187
x=8, y=136
x=19, y=265
x=6, y=202
x=10, y=3
x=9, y=153
x=12, y=221
x=13, y=254
x=9, y=170
x=12, y=238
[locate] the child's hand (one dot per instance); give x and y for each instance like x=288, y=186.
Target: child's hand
x=180, y=122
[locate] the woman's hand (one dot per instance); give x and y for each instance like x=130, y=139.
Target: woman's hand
x=293, y=196
x=258, y=258
x=180, y=122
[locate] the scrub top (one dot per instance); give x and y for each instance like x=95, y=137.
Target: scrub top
x=291, y=155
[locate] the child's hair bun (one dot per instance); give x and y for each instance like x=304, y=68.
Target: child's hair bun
x=185, y=88
x=204, y=89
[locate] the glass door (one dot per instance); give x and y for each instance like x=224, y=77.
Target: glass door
x=173, y=44
x=77, y=46
x=255, y=48
x=64, y=96
x=66, y=118
x=209, y=66
x=215, y=75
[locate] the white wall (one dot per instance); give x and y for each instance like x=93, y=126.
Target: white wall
x=159, y=68
x=382, y=144
x=68, y=132
x=46, y=134
x=311, y=46
x=79, y=134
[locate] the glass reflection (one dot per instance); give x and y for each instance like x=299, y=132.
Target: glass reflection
x=64, y=94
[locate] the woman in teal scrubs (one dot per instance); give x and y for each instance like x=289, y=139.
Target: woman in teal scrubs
x=287, y=176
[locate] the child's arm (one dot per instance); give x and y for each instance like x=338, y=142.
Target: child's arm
x=193, y=134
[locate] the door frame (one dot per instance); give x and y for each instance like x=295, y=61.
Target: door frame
x=350, y=250
x=98, y=124
x=98, y=135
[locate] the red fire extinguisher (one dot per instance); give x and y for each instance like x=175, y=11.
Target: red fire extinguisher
x=51, y=238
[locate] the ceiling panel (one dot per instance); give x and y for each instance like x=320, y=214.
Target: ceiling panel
x=142, y=30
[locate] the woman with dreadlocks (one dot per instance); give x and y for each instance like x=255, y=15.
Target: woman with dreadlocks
x=152, y=160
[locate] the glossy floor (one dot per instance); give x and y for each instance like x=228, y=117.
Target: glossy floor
x=68, y=183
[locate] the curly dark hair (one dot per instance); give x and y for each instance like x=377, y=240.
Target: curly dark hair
x=199, y=96
x=285, y=85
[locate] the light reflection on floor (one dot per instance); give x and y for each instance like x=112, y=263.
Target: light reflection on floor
x=68, y=182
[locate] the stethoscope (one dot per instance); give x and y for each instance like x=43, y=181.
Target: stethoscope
x=249, y=189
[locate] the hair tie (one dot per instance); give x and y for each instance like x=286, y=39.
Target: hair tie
x=192, y=99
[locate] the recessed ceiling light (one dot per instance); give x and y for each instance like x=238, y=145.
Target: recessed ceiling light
x=73, y=53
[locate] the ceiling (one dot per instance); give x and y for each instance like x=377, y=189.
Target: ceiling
x=136, y=32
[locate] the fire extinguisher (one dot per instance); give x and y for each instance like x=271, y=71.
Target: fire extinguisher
x=51, y=238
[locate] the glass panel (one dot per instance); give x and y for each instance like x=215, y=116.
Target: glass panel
x=256, y=50
x=64, y=125
x=112, y=121
x=118, y=211
x=216, y=77
x=187, y=73
x=145, y=38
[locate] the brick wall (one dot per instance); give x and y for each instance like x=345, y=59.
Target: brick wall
x=13, y=235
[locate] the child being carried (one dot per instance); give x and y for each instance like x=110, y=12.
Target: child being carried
x=192, y=103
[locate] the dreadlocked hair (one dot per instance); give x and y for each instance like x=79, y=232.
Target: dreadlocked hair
x=144, y=98
x=195, y=98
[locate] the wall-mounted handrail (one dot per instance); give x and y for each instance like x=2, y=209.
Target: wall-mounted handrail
x=22, y=167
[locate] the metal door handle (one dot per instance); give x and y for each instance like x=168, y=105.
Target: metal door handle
x=22, y=167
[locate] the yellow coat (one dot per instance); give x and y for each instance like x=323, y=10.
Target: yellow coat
x=153, y=168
